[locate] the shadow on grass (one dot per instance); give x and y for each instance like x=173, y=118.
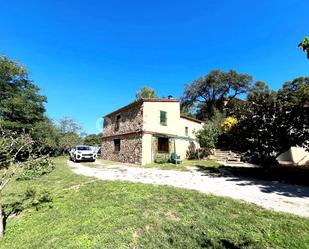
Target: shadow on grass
x=287, y=181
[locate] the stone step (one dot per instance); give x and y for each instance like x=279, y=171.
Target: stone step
x=226, y=156
x=233, y=159
x=232, y=162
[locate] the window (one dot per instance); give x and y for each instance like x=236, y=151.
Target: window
x=187, y=131
x=117, y=125
x=83, y=148
x=163, y=145
x=163, y=119
x=117, y=145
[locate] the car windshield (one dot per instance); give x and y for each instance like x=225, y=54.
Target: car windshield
x=83, y=148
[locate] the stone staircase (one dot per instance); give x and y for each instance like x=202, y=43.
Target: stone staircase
x=229, y=158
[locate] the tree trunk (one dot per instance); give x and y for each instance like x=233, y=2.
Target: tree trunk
x=1, y=222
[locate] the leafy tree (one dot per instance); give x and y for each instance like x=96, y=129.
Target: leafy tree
x=208, y=135
x=146, y=93
x=295, y=92
x=304, y=45
x=93, y=139
x=69, y=134
x=69, y=125
x=260, y=88
x=46, y=136
x=187, y=111
x=21, y=105
x=215, y=91
x=235, y=108
x=272, y=124
x=15, y=155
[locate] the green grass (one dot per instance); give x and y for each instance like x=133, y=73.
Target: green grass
x=102, y=214
x=184, y=165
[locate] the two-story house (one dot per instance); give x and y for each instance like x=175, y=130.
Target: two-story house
x=146, y=130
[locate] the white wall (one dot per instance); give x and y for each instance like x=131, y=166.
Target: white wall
x=175, y=126
x=147, y=149
x=151, y=117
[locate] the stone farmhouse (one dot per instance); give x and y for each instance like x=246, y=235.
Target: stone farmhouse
x=148, y=130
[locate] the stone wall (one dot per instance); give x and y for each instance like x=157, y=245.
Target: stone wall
x=130, y=149
x=131, y=121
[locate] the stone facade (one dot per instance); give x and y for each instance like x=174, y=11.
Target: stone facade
x=130, y=149
x=129, y=132
x=131, y=120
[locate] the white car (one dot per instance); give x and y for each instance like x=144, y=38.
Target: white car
x=83, y=153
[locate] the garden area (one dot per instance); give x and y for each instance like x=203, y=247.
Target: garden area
x=84, y=212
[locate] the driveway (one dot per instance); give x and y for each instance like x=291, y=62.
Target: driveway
x=268, y=194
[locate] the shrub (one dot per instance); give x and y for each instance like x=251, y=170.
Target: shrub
x=197, y=153
x=228, y=124
x=208, y=135
x=36, y=168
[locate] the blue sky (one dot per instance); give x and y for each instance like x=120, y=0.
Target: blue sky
x=90, y=57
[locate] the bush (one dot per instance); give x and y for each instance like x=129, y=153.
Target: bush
x=36, y=168
x=208, y=136
x=228, y=124
x=197, y=153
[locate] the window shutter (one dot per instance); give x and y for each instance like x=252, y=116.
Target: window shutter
x=163, y=117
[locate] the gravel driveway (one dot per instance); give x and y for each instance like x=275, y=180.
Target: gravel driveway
x=268, y=194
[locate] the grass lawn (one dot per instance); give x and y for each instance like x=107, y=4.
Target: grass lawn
x=86, y=213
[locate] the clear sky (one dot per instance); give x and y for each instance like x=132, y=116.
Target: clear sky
x=90, y=57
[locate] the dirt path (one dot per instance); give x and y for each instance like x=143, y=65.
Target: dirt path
x=272, y=195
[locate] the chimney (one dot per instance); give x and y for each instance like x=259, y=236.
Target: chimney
x=169, y=97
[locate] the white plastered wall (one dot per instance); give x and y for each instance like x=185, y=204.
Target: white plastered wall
x=175, y=126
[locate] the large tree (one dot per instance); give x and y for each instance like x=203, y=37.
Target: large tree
x=215, y=91
x=273, y=122
x=146, y=93
x=21, y=104
x=295, y=92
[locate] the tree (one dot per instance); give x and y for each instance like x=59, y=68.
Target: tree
x=304, y=45
x=215, y=91
x=259, y=88
x=70, y=132
x=93, y=139
x=208, y=135
x=272, y=124
x=21, y=104
x=16, y=155
x=46, y=136
x=295, y=92
x=69, y=125
x=146, y=93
